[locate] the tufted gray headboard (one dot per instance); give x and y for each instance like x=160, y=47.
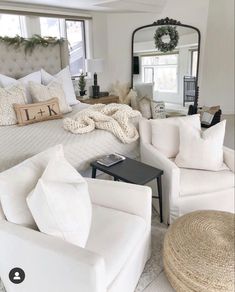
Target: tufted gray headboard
x=15, y=63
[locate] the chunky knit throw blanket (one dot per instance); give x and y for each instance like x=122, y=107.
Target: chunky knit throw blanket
x=112, y=117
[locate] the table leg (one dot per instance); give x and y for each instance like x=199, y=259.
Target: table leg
x=93, y=172
x=159, y=187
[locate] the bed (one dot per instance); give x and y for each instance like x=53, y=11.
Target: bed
x=19, y=143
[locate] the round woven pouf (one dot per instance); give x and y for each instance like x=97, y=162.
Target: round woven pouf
x=198, y=252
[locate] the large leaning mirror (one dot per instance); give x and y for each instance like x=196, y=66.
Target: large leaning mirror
x=165, y=63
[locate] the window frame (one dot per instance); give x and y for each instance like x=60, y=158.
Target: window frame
x=192, y=51
x=83, y=36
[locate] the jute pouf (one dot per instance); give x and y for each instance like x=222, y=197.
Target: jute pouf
x=198, y=252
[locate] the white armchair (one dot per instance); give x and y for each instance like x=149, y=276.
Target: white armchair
x=113, y=260
x=187, y=190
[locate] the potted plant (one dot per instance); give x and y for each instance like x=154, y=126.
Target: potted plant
x=82, y=84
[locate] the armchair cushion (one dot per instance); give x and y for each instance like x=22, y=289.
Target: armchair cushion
x=114, y=235
x=165, y=133
x=17, y=182
x=201, y=150
x=193, y=181
x=60, y=203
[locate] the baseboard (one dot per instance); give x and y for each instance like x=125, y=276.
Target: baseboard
x=228, y=112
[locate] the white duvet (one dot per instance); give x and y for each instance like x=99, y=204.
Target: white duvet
x=19, y=143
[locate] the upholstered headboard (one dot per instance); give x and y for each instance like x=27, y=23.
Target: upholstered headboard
x=16, y=63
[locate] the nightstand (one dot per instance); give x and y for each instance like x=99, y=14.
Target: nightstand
x=103, y=99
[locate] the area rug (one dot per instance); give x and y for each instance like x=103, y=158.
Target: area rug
x=154, y=266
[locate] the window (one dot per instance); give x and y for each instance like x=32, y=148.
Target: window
x=164, y=72
x=76, y=38
x=50, y=27
x=194, y=58
x=11, y=25
x=74, y=31
x=148, y=75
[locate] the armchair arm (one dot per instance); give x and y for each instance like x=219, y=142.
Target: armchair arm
x=50, y=264
x=171, y=177
x=130, y=198
x=229, y=158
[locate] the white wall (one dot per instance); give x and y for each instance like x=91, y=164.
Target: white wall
x=120, y=27
x=218, y=68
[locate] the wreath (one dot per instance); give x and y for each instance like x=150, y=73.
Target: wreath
x=166, y=31
x=31, y=43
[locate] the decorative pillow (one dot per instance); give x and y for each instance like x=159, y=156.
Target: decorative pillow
x=158, y=109
x=201, y=149
x=64, y=78
x=132, y=95
x=145, y=107
x=165, y=133
x=207, y=114
x=37, y=112
x=60, y=203
x=40, y=92
x=6, y=81
x=17, y=182
x=9, y=96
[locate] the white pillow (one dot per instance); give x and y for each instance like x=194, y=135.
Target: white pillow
x=63, y=77
x=165, y=133
x=41, y=93
x=201, y=150
x=7, y=81
x=17, y=182
x=9, y=96
x=60, y=203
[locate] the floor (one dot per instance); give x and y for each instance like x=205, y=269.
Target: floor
x=153, y=278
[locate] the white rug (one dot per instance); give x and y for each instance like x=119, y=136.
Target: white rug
x=153, y=275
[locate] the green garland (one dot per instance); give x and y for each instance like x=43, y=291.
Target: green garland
x=31, y=43
x=163, y=31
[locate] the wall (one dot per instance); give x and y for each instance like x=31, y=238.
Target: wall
x=120, y=27
x=218, y=69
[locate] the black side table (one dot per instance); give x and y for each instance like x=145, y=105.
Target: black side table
x=135, y=172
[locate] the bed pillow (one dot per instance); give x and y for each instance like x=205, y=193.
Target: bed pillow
x=60, y=203
x=35, y=77
x=201, y=149
x=63, y=77
x=165, y=133
x=41, y=92
x=17, y=182
x=37, y=112
x=9, y=96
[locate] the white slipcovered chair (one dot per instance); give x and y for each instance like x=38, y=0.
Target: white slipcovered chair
x=187, y=190
x=113, y=259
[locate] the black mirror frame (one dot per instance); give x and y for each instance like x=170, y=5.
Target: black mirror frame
x=168, y=21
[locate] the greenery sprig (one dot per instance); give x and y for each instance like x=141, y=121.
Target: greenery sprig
x=31, y=43
x=172, y=32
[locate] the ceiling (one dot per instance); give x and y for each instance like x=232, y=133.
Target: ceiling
x=154, y=6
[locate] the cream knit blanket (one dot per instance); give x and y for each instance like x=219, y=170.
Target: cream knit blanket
x=112, y=117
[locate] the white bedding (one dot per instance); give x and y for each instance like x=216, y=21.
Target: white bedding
x=19, y=143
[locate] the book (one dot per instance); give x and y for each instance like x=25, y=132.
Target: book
x=110, y=159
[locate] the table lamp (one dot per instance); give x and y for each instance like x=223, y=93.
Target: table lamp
x=95, y=66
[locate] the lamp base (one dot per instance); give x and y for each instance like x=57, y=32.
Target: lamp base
x=95, y=91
